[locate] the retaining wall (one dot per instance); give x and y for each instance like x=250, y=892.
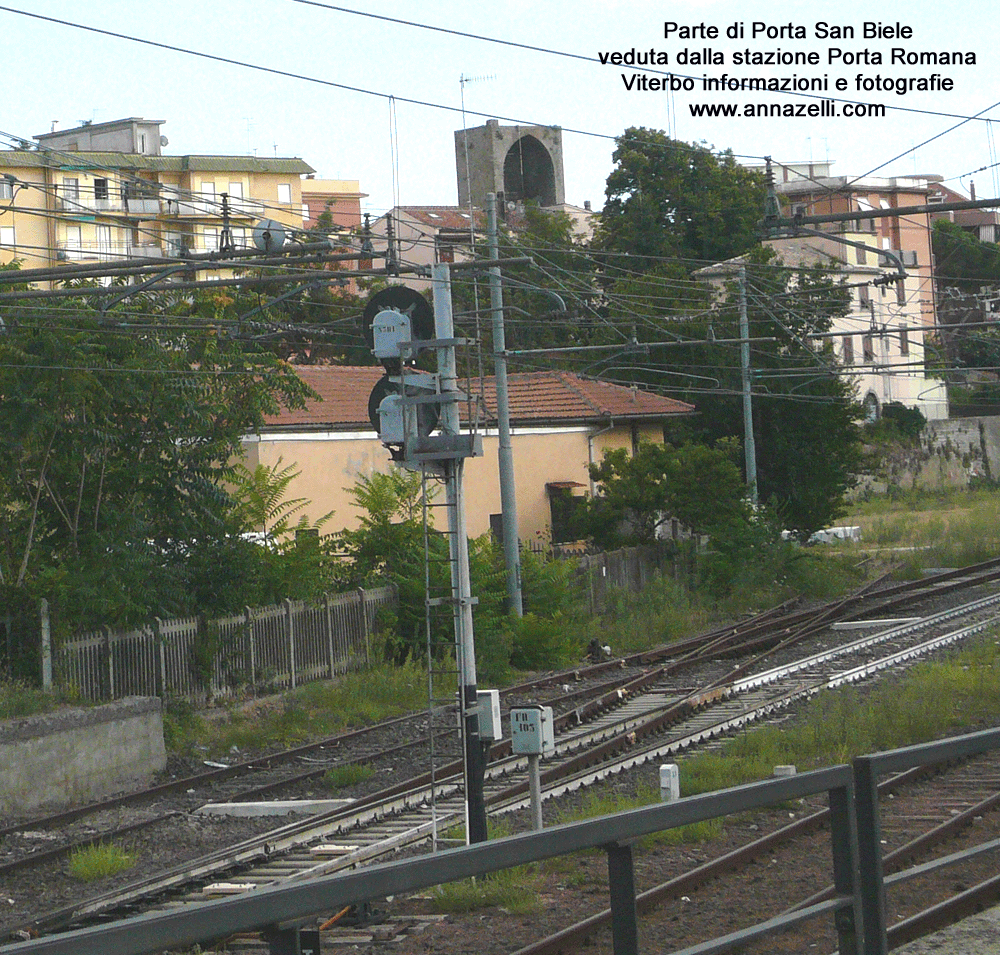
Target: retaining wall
x=74, y=756
x=951, y=454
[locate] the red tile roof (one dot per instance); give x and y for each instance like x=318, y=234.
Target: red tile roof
x=449, y=218
x=536, y=398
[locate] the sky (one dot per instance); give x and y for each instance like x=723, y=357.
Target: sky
x=403, y=151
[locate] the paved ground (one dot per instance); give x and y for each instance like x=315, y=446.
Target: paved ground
x=977, y=935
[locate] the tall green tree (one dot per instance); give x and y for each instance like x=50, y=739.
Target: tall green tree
x=669, y=199
x=118, y=435
x=805, y=414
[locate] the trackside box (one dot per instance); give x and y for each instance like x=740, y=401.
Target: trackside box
x=532, y=731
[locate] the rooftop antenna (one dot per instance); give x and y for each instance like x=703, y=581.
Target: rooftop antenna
x=462, y=80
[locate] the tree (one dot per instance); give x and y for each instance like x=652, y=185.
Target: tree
x=700, y=486
x=805, y=416
x=117, y=441
x=669, y=199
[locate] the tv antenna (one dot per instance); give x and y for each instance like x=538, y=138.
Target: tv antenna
x=462, y=81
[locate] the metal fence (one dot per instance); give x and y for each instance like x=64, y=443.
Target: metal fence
x=856, y=904
x=191, y=658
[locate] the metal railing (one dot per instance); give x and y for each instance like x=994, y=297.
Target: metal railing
x=191, y=658
x=272, y=909
x=857, y=905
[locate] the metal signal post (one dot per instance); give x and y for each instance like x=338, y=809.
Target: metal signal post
x=405, y=407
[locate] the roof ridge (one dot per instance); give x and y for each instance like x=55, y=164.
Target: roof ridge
x=575, y=388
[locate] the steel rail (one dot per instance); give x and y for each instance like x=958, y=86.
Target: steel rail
x=290, y=836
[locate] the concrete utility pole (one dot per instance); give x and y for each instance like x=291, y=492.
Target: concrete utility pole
x=749, y=445
x=505, y=455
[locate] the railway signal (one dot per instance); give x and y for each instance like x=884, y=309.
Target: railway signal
x=406, y=408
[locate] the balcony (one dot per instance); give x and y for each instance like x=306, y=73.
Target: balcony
x=85, y=203
x=209, y=206
x=67, y=251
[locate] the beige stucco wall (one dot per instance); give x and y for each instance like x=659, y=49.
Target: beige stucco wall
x=331, y=463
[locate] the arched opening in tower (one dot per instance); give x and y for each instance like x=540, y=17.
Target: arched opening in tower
x=528, y=173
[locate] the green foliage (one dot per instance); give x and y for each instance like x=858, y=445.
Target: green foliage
x=908, y=422
x=671, y=199
x=698, y=485
x=286, y=559
x=18, y=700
x=387, y=546
x=599, y=802
x=314, y=710
x=116, y=449
x=541, y=643
x=510, y=889
x=668, y=199
x=99, y=861
x=349, y=774
x=961, y=260
x=749, y=559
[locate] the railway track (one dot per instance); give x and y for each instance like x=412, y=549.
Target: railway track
x=632, y=712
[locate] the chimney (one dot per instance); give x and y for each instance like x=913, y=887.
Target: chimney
x=972, y=189
x=586, y=204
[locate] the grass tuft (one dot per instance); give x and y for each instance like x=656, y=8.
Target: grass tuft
x=99, y=861
x=510, y=889
x=349, y=774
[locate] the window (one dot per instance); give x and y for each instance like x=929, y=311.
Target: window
x=6, y=190
x=847, y=350
x=7, y=236
x=212, y=240
x=74, y=242
x=445, y=251
x=284, y=192
x=861, y=256
x=864, y=299
x=867, y=348
x=104, y=247
x=900, y=292
x=101, y=189
x=564, y=506
x=904, y=340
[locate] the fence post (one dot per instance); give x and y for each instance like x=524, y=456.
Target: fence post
x=290, y=629
x=624, y=920
x=328, y=617
x=844, y=837
x=109, y=666
x=46, y=624
x=870, y=879
x=364, y=623
x=251, y=644
x=161, y=658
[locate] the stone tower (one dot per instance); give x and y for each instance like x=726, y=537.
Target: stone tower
x=521, y=163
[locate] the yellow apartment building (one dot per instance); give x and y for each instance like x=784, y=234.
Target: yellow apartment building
x=106, y=193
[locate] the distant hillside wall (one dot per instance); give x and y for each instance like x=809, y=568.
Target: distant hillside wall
x=78, y=755
x=952, y=453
